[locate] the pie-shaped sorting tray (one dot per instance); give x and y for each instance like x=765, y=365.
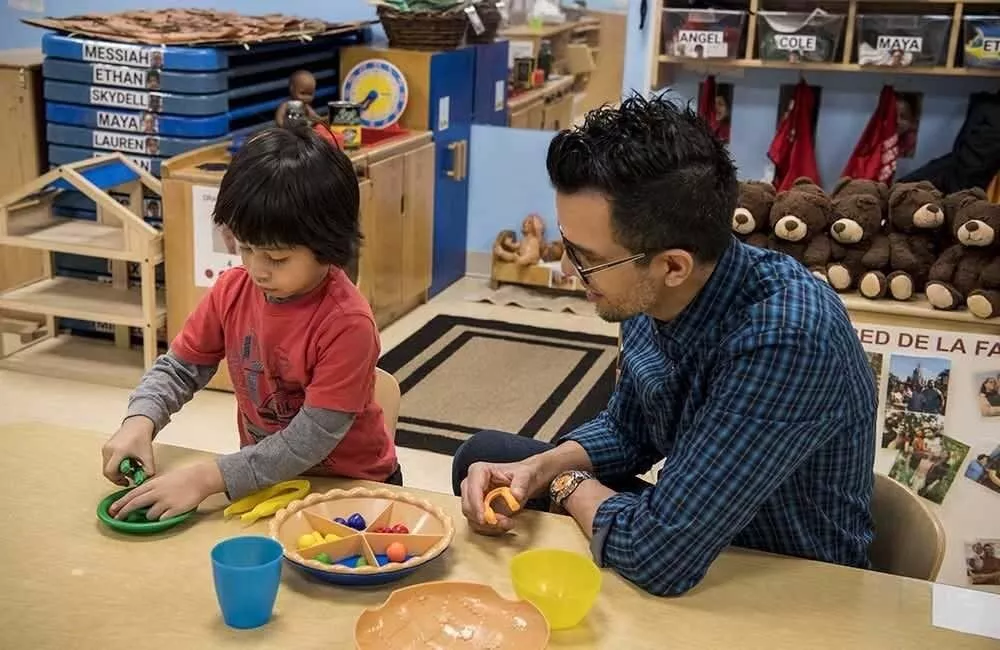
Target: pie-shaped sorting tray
x=449, y=615
x=359, y=557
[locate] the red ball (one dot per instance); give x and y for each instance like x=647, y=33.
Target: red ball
x=396, y=552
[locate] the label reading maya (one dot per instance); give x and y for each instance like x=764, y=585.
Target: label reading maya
x=110, y=75
x=795, y=42
x=702, y=43
x=914, y=44
x=137, y=123
x=126, y=142
x=120, y=98
x=130, y=55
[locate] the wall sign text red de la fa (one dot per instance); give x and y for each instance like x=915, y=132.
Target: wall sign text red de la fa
x=918, y=341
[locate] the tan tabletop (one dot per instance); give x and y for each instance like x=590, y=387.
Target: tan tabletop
x=67, y=582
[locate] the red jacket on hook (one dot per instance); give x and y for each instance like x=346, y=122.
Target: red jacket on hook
x=875, y=155
x=708, y=109
x=792, y=150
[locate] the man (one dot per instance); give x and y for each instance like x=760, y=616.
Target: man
x=738, y=368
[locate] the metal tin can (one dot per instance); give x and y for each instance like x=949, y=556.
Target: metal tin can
x=345, y=120
x=523, y=69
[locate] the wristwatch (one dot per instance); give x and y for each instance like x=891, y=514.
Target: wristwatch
x=564, y=485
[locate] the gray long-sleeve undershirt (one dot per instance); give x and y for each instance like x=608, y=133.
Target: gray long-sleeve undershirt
x=308, y=439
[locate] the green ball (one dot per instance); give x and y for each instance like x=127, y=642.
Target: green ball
x=324, y=558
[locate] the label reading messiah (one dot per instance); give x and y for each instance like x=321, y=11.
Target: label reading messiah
x=126, y=142
x=795, y=42
x=131, y=55
x=914, y=44
x=109, y=75
x=126, y=122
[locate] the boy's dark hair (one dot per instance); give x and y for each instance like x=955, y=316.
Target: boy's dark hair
x=670, y=182
x=289, y=187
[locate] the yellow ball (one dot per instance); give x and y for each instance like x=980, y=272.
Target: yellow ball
x=331, y=538
x=306, y=541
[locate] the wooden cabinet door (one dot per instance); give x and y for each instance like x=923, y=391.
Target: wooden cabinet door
x=366, y=256
x=418, y=221
x=559, y=113
x=519, y=119
x=386, y=247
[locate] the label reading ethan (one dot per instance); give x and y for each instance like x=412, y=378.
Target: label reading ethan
x=111, y=75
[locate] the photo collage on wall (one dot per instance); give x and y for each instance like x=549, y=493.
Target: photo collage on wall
x=916, y=400
x=982, y=562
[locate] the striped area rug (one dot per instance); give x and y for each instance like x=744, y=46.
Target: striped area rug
x=461, y=375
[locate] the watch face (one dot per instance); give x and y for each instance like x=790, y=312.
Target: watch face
x=562, y=482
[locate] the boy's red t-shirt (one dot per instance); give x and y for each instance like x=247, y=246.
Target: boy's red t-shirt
x=317, y=350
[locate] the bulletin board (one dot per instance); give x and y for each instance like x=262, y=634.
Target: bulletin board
x=938, y=428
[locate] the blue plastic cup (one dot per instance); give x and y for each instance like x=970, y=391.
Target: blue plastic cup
x=247, y=572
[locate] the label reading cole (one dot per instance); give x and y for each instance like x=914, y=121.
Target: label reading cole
x=698, y=43
x=109, y=75
x=914, y=44
x=795, y=42
x=130, y=55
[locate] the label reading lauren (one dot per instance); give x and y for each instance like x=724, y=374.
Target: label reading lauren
x=120, y=98
x=119, y=54
x=913, y=44
x=111, y=75
x=795, y=42
x=702, y=43
x=126, y=142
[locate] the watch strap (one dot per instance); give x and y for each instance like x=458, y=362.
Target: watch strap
x=564, y=484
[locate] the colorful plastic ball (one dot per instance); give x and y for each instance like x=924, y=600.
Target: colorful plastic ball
x=361, y=562
x=324, y=558
x=396, y=552
x=356, y=521
x=306, y=541
x=330, y=538
x=340, y=520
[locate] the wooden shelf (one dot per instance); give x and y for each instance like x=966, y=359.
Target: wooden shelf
x=62, y=235
x=83, y=299
x=79, y=359
x=919, y=309
x=715, y=64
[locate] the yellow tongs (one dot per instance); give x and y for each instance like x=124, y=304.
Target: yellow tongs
x=268, y=501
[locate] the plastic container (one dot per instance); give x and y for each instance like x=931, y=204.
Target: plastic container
x=247, y=572
x=799, y=36
x=561, y=584
x=982, y=42
x=902, y=40
x=703, y=33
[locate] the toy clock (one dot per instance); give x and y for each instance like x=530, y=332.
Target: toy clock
x=380, y=89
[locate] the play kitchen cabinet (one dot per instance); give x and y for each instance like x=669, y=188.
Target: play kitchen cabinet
x=549, y=107
x=396, y=178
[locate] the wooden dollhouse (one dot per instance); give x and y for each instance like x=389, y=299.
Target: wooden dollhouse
x=29, y=219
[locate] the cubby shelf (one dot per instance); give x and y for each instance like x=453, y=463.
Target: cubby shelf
x=709, y=64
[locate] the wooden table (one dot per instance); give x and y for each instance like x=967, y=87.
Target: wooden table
x=67, y=582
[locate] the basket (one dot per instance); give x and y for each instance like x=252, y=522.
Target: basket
x=424, y=30
x=491, y=18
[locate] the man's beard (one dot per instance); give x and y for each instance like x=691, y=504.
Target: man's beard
x=639, y=300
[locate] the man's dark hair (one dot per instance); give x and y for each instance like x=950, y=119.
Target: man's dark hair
x=289, y=187
x=670, y=182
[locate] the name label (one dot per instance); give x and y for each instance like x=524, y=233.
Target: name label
x=795, y=42
x=144, y=163
x=914, y=44
x=120, y=98
x=136, y=123
x=699, y=37
x=118, y=53
x=110, y=75
x=991, y=45
x=126, y=142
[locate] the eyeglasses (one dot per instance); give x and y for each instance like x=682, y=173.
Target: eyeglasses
x=586, y=272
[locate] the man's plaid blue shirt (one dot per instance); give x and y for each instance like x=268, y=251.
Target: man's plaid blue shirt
x=761, y=400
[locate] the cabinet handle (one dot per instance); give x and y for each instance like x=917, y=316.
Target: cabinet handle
x=465, y=159
x=456, y=160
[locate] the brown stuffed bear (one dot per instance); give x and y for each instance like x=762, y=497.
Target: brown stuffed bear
x=858, y=243
x=914, y=223
x=800, y=221
x=968, y=272
x=753, y=209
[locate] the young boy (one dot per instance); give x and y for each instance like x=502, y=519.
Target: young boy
x=298, y=339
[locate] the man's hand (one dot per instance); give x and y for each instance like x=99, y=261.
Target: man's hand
x=172, y=493
x=525, y=480
x=134, y=439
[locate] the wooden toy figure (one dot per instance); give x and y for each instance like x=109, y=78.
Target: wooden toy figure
x=301, y=88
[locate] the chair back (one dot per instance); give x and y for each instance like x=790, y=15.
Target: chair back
x=909, y=539
x=387, y=396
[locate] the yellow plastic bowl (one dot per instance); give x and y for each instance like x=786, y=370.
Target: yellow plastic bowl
x=563, y=585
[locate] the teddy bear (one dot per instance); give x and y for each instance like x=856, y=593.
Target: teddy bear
x=914, y=224
x=858, y=243
x=968, y=272
x=753, y=208
x=526, y=252
x=800, y=221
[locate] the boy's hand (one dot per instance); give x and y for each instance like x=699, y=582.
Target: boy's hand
x=133, y=440
x=173, y=493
